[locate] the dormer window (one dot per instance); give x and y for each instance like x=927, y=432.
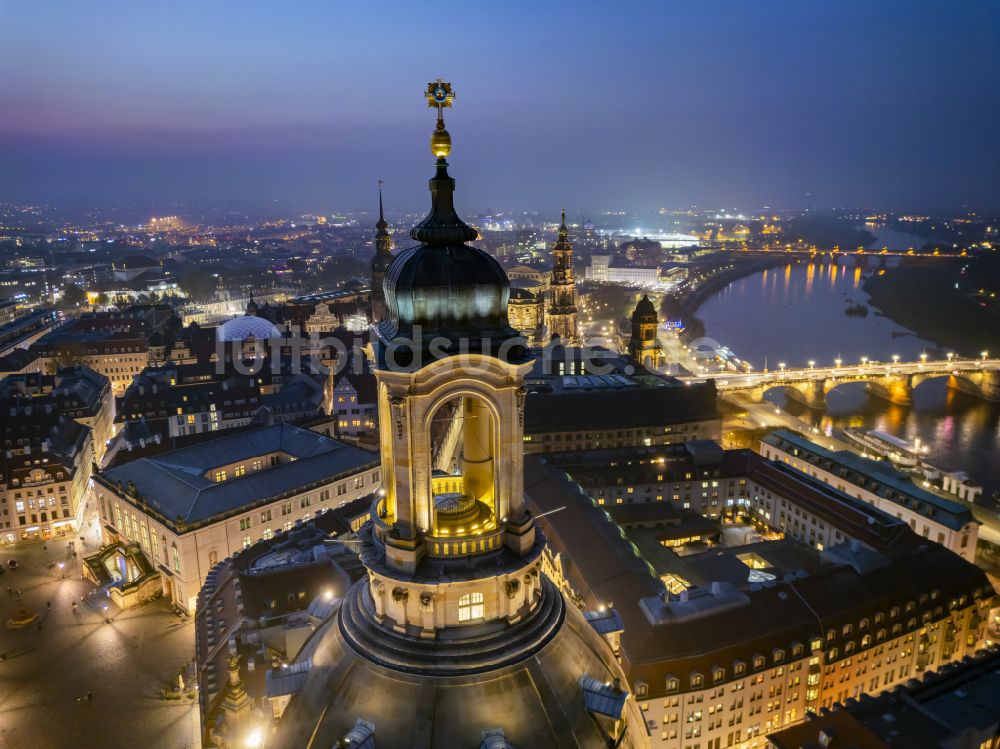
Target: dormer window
x=672, y=683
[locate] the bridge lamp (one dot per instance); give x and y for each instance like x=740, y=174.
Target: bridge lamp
x=984, y=354
x=950, y=355
x=864, y=360
x=811, y=364
x=838, y=361
x=923, y=357
x=895, y=358
x=781, y=366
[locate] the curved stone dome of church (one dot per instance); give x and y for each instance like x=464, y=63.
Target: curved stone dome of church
x=247, y=326
x=528, y=686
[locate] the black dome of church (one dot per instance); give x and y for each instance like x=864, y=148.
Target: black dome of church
x=455, y=638
x=442, y=287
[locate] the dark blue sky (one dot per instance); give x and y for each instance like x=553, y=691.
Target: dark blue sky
x=603, y=105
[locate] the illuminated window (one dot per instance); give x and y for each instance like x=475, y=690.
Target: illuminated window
x=470, y=606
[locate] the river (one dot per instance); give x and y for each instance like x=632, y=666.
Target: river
x=795, y=314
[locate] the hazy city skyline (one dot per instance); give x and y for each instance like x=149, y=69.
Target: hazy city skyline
x=808, y=104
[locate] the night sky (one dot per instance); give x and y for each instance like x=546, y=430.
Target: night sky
x=604, y=105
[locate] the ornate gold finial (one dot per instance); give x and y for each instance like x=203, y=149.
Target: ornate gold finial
x=440, y=94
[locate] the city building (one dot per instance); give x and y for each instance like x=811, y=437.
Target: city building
x=561, y=315
x=380, y=263
x=526, y=312
x=538, y=280
x=355, y=405
x=179, y=399
x=22, y=328
x=189, y=508
x=119, y=356
x=586, y=412
x=454, y=611
x=51, y=427
x=607, y=269
x=724, y=642
x=260, y=607
x=21, y=361
x=953, y=708
x=644, y=344
x=943, y=521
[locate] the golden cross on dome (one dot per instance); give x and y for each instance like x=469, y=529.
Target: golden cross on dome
x=439, y=94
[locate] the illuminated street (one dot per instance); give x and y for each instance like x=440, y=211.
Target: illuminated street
x=124, y=664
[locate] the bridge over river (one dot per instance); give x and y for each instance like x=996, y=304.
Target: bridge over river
x=893, y=381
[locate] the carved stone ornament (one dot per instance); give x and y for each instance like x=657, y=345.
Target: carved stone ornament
x=511, y=587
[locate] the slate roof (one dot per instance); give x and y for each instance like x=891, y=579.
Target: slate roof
x=617, y=409
x=875, y=476
x=173, y=483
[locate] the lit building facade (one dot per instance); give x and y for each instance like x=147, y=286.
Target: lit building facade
x=190, y=508
x=728, y=643
x=941, y=520
x=53, y=429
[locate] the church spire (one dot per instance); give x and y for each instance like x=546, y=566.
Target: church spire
x=380, y=262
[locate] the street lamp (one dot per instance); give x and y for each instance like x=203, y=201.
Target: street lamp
x=837, y=361
x=951, y=355
x=923, y=357
x=781, y=366
x=895, y=358
x=984, y=354
x=106, y=619
x=864, y=360
x=811, y=364
x=62, y=575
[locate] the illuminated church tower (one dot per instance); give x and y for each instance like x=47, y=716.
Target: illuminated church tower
x=380, y=262
x=562, y=310
x=644, y=346
x=455, y=638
